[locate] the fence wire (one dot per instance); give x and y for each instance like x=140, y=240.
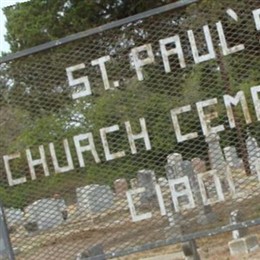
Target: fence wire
x=139, y=136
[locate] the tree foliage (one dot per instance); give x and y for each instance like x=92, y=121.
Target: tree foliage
x=39, y=21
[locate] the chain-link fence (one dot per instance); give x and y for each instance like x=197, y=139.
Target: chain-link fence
x=134, y=135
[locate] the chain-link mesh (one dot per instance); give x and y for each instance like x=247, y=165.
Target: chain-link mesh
x=134, y=137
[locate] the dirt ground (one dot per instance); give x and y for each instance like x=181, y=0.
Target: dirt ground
x=116, y=231
x=211, y=248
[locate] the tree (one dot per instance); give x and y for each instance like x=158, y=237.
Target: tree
x=39, y=21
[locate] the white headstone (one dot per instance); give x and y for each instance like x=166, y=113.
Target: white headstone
x=147, y=179
x=253, y=152
x=94, y=198
x=216, y=157
x=232, y=158
x=235, y=218
x=163, y=182
x=205, y=215
x=47, y=213
x=121, y=187
x=14, y=216
x=174, y=161
x=198, y=165
x=174, y=166
x=133, y=183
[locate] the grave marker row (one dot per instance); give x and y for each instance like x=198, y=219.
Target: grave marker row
x=48, y=213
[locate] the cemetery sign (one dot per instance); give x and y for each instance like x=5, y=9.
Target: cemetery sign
x=142, y=133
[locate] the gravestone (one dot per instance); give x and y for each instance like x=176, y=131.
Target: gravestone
x=187, y=170
x=14, y=216
x=253, y=152
x=198, y=165
x=133, y=183
x=45, y=213
x=216, y=157
x=244, y=245
x=177, y=168
x=94, y=198
x=147, y=179
x=61, y=205
x=235, y=218
x=163, y=182
x=121, y=187
x=174, y=171
x=235, y=163
x=174, y=166
x=232, y=158
x=206, y=215
x=241, y=243
x=174, y=229
x=169, y=171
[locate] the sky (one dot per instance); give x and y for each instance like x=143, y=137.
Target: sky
x=4, y=3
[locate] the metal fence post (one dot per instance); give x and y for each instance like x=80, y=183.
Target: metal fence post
x=6, y=250
x=189, y=249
